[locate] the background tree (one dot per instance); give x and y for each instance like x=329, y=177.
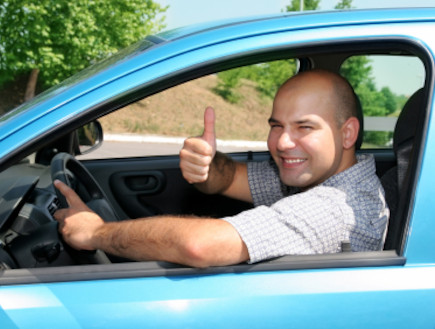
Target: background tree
x=273, y=74
x=357, y=70
x=227, y=85
x=50, y=40
x=390, y=102
x=344, y=4
x=308, y=5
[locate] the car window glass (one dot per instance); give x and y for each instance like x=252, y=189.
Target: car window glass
x=157, y=125
x=383, y=84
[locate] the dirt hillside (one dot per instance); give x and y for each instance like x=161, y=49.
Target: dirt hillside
x=179, y=112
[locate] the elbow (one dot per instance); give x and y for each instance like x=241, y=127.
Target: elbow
x=197, y=254
x=214, y=244
x=203, y=253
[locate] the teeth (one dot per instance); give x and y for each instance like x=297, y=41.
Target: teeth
x=294, y=160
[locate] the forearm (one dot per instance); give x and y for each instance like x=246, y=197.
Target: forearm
x=131, y=239
x=220, y=176
x=191, y=241
x=227, y=177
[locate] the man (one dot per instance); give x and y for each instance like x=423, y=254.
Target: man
x=315, y=195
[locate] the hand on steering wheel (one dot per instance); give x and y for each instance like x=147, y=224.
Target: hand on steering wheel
x=67, y=169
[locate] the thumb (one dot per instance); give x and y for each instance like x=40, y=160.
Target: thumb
x=70, y=195
x=209, y=119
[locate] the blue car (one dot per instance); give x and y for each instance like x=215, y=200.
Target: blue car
x=134, y=98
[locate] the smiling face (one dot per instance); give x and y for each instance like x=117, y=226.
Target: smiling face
x=306, y=140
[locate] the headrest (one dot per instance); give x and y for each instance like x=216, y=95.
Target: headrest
x=407, y=123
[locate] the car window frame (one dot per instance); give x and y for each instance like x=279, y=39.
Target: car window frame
x=149, y=269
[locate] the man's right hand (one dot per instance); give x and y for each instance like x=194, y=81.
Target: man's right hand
x=78, y=223
x=198, y=152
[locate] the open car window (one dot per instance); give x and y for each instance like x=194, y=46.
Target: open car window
x=157, y=125
x=383, y=84
x=242, y=98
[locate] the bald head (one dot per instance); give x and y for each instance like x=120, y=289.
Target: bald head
x=332, y=87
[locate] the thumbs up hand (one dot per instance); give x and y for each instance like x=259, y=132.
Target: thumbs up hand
x=198, y=152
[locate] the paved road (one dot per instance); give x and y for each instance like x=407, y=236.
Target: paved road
x=111, y=149
x=152, y=146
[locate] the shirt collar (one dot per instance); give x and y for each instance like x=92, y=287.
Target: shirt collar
x=364, y=168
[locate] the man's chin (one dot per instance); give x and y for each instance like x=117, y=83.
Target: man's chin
x=300, y=182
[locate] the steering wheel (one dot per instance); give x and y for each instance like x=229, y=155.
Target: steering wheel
x=70, y=171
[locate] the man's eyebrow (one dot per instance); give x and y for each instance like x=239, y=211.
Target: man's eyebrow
x=298, y=122
x=305, y=121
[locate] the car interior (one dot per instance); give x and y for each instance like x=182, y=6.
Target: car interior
x=142, y=186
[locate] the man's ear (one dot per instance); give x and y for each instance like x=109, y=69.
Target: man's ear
x=350, y=131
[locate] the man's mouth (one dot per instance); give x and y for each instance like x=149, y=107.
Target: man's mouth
x=293, y=161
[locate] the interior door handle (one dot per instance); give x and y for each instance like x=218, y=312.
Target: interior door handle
x=139, y=182
x=142, y=183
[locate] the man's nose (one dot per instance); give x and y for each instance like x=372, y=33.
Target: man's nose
x=286, y=141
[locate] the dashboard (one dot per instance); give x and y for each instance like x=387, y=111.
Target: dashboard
x=28, y=231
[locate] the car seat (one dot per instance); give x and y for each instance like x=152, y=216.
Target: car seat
x=396, y=178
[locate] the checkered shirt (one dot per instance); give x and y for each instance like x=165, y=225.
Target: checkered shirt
x=347, y=207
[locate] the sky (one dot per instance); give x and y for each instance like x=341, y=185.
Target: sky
x=187, y=12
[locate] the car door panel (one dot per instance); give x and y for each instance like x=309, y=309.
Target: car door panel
x=132, y=189
x=141, y=187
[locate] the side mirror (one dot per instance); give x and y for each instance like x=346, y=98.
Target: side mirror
x=89, y=137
